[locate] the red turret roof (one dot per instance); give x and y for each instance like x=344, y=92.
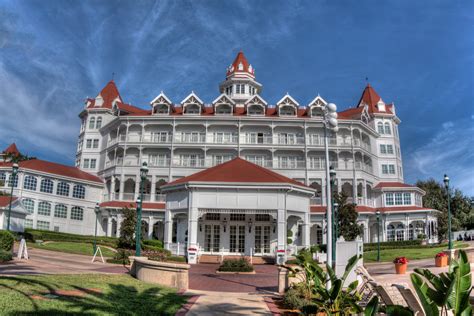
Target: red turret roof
x=246, y=67
x=109, y=93
x=12, y=149
x=371, y=98
x=5, y=200
x=237, y=170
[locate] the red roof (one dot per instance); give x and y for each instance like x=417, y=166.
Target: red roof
x=368, y=209
x=371, y=98
x=12, y=149
x=122, y=204
x=393, y=185
x=237, y=170
x=5, y=200
x=240, y=59
x=109, y=93
x=54, y=168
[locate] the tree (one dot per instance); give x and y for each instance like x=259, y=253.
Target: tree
x=16, y=157
x=127, y=229
x=346, y=218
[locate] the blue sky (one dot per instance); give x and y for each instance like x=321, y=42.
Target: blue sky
x=418, y=54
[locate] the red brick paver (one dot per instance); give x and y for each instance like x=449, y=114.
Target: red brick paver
x=203, y=277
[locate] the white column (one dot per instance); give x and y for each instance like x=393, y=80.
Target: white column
x=137, y=187
x=109, y=226
x=150, y=228
x=281, y=230
x=168, y=235
x=153, y=188
x=112, y=189
x=119, y=224
x=306, y=231
x=122, y=187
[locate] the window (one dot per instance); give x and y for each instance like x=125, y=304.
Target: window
x=383, y=149
x=95, y=143
x=3, y=178
x=29, y=205
x=86, y=164
x=43, y=225
x=262, y=217
x=192, y=109
x=389, y=199
x=390, y=233
x=406, y=198
x=223, y=109
x=384, y=169
x=63, y=189
x=28, y=223
x=237, y=217
x=92, y=123
x=213, y=217
x=14, y=180
x=77, y=213
x=79, y=192
x=400, y=232
x=380, y=127
x=44, y=208
x=88, y=143
x=398, y=198
x=387, y=129
x=46, y=186
x=255, y=109
x=60, y=211
x=390, y=149
x=161, y=109
x=29, y=183
x=287, y=110
x=391, y=169
x=99, y=122
x=93, y=163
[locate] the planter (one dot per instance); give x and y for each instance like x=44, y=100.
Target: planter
x=401, y=268
x=441, y=261
x=232, y=272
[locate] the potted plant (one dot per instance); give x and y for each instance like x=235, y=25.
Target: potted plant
x=401, y=264
x=441, y=259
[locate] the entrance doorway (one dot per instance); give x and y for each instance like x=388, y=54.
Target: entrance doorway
x=237, y=239
x=212, y=238
x=262, y=239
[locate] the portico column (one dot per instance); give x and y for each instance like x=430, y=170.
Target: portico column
x=109, y=226
x=281, y=240
x=137, y=187
x=150, y=228
x=192, y=234
x=306, y=231
x=168, y=235
x=119, y=224
x=153, y=188
x=122, y=187
x=112, y=189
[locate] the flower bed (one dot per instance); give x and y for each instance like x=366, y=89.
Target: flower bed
x=235, y=265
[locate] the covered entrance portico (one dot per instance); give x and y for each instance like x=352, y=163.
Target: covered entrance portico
x=237, y=208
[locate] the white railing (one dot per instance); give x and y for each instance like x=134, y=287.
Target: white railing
x=223, y=139
x=252, y=140
x=160, y=197
x=189, y=163
x=159, y=138
x=128, y=196
x=190, y=138
x=282, y=140
x=291, y=164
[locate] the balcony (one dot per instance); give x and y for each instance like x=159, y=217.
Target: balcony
x=282, y=140
x=316, y=201
x=131, y=197
x=290, y=164
x=189, y=162
x=223, y=138
x=158, y=138
x=256, y=140
x=192, y=138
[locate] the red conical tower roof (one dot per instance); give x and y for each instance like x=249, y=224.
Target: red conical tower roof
x=109, y=93
x=12, y=149
x=240, y=64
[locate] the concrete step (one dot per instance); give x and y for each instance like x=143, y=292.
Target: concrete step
x=217, y=259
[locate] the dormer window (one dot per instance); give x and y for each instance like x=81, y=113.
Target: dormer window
x=287, y=110
x=381, y=106
x=99, y=101
x=161, y=109
x=255, y=109
x=317, y=111
x=192, y=109
x=223, y=109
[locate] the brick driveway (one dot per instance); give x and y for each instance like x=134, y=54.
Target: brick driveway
x=203, y=277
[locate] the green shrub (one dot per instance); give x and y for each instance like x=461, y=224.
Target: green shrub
x=6, y=240
x=5, y=256
x=154, y=243
x=122, y=256
x=46, y=235
x=157, y=255
x=151, y=248
x=294, y=299
x=176, y=259
x=236, y=265
x=116, y=261
x=289, y=237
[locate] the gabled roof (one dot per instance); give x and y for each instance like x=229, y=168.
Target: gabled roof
x=287, y=99
x=237, y=170
x=315, y=101
x=109, y=94
x=54, y=168
x=257, y=98
x=5, y=200
x=12, y=149
x=223, y=96
x=371, y=98
x=131, y=109
x=191, y=95
x=246, y=67
x=162, y=96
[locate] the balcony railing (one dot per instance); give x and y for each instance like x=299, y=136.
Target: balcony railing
x=316, y=201
x=190, y=138
x=159, y=138
x=299, y=140
x=223, y=139
x=189, y=162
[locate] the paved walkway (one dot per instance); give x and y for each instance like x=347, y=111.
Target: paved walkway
x=52, y=262
x=203, y=277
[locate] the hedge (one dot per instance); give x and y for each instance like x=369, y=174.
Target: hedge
x=153, y=242
x=6, y=240
x=5, y=255
x=47, y=235
x=236, y=265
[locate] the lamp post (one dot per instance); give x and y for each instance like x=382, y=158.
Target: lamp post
x=378, y=234
x=446, y=184
x=330, y=123
x=138, y=232
x=96, y=210
x=332, y=175
x=12, y=181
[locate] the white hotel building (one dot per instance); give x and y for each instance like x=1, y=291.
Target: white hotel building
x=242, y=212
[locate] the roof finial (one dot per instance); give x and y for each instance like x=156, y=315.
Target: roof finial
x=113, y=75
x=367, y=80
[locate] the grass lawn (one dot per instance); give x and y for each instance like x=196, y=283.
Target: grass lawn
x=94, y=295
x=72, y=247
x=387, y=255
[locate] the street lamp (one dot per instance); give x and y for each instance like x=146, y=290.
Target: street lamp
x=12, y=181
x=446, y=184
x=330, y=123
x=332, y=175
x=138, y=232
x=96, y=210
x=378, y=234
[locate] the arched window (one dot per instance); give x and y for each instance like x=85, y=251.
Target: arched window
x=3, y=178
x=223, y=109
x=390, y=233
x=287, y=110
x=192, y=109
x=14, y=180
x=98, y=124
x=63, y=189
x=387, y=130
x=29, y=205
x=92, y=123
x=79, y=192
x=46, y=186
x=380, y=127
x=255, y=109
x=161, y=109
x=77, y=213
x=60, y=211
x=400, y=232
x=29, y=183
x=44, y=208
